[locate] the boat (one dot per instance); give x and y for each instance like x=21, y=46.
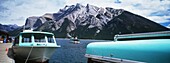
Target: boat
x=74, y=40
x=151, y=47
x=33, y=46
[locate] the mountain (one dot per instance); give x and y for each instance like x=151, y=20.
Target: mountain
x=92, y=22
x=168, y=26
x=8, y=28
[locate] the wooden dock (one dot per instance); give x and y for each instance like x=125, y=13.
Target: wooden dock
x=3, y=53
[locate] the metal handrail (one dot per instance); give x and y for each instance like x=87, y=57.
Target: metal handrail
x=142, y=35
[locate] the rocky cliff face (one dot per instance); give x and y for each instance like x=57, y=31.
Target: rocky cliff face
x=92, y=22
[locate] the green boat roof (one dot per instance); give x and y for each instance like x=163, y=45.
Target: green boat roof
x=36, y=32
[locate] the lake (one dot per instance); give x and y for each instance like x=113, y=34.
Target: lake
x=71, y=53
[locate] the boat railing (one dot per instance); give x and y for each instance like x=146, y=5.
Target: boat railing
x=137, y=36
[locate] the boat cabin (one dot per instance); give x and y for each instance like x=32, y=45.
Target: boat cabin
x=35, y=38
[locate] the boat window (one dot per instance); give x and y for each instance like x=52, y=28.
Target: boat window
x=50, y=39
x=39, y=38
x=26, y=38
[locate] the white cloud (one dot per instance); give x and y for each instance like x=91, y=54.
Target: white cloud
x=21, y=9
x=160, y=19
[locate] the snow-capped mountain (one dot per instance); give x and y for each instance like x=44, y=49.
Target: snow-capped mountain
x=92, y=22
x=8, y=28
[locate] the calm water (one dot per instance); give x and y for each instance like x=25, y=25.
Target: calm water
x=69, y=52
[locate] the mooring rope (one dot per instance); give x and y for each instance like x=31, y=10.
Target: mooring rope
x=29, y=54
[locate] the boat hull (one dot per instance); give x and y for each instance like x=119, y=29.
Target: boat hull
x=36, y=54
x=149, y=51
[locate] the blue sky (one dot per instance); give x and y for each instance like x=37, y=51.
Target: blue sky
x=16, y=11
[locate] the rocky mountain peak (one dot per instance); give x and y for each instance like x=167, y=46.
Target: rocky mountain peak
x=92, y=22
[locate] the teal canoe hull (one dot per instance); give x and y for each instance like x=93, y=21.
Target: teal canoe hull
x=149, y=51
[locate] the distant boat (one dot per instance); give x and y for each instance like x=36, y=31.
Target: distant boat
x=74, y=40
x=34, y=46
